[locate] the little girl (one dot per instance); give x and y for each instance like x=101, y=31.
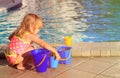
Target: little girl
x=21, y=39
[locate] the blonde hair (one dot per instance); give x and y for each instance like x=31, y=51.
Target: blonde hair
x=25, y=26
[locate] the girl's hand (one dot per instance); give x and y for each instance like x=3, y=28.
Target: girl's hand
x=57, y=56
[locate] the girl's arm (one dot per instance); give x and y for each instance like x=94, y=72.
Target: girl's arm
x=45, y=45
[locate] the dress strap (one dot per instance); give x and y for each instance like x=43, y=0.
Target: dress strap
x=7, y=53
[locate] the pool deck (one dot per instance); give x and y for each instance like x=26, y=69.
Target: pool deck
x=80, y=67
x=84, y=64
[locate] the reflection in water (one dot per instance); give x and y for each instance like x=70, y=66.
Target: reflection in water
x=59, y=17
x=84, y=20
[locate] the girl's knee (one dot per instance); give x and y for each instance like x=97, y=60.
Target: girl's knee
x=29, y=49
x=19, y=59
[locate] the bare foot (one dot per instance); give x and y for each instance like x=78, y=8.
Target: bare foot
x=20, y=68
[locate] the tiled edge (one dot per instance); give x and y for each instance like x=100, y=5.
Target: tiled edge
x=115, y=51
x=91, y=49
x=105, y=52
x=96, y=49
x=86, y=52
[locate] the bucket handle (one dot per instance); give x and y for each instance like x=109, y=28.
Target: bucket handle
x=67, y=57
x=42, y=60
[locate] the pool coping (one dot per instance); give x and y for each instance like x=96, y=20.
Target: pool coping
x=94, y=49
x=88, y=49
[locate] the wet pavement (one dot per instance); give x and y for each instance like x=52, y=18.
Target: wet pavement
x=80, y=67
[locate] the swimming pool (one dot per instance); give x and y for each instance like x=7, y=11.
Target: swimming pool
x=84, y=20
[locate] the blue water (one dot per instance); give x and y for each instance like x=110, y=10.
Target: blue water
x=84, y=20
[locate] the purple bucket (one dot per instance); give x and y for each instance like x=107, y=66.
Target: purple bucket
x=40, y=59
x=65, y=53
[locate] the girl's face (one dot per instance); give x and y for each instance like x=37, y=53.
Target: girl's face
x=35, y=27
x=36, y=31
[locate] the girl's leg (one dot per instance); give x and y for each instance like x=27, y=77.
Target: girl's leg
x=20, y=66
x=24, y=59
x=27, y=55
x=27, y=58
x=20, y=62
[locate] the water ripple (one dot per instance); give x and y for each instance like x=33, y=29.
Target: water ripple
x=84, y=20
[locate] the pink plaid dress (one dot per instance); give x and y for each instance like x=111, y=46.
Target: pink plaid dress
x=17, y=46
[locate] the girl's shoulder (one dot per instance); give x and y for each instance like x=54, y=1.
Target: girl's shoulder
x=30, y=36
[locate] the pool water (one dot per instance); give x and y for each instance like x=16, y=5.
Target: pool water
x=83, y=20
